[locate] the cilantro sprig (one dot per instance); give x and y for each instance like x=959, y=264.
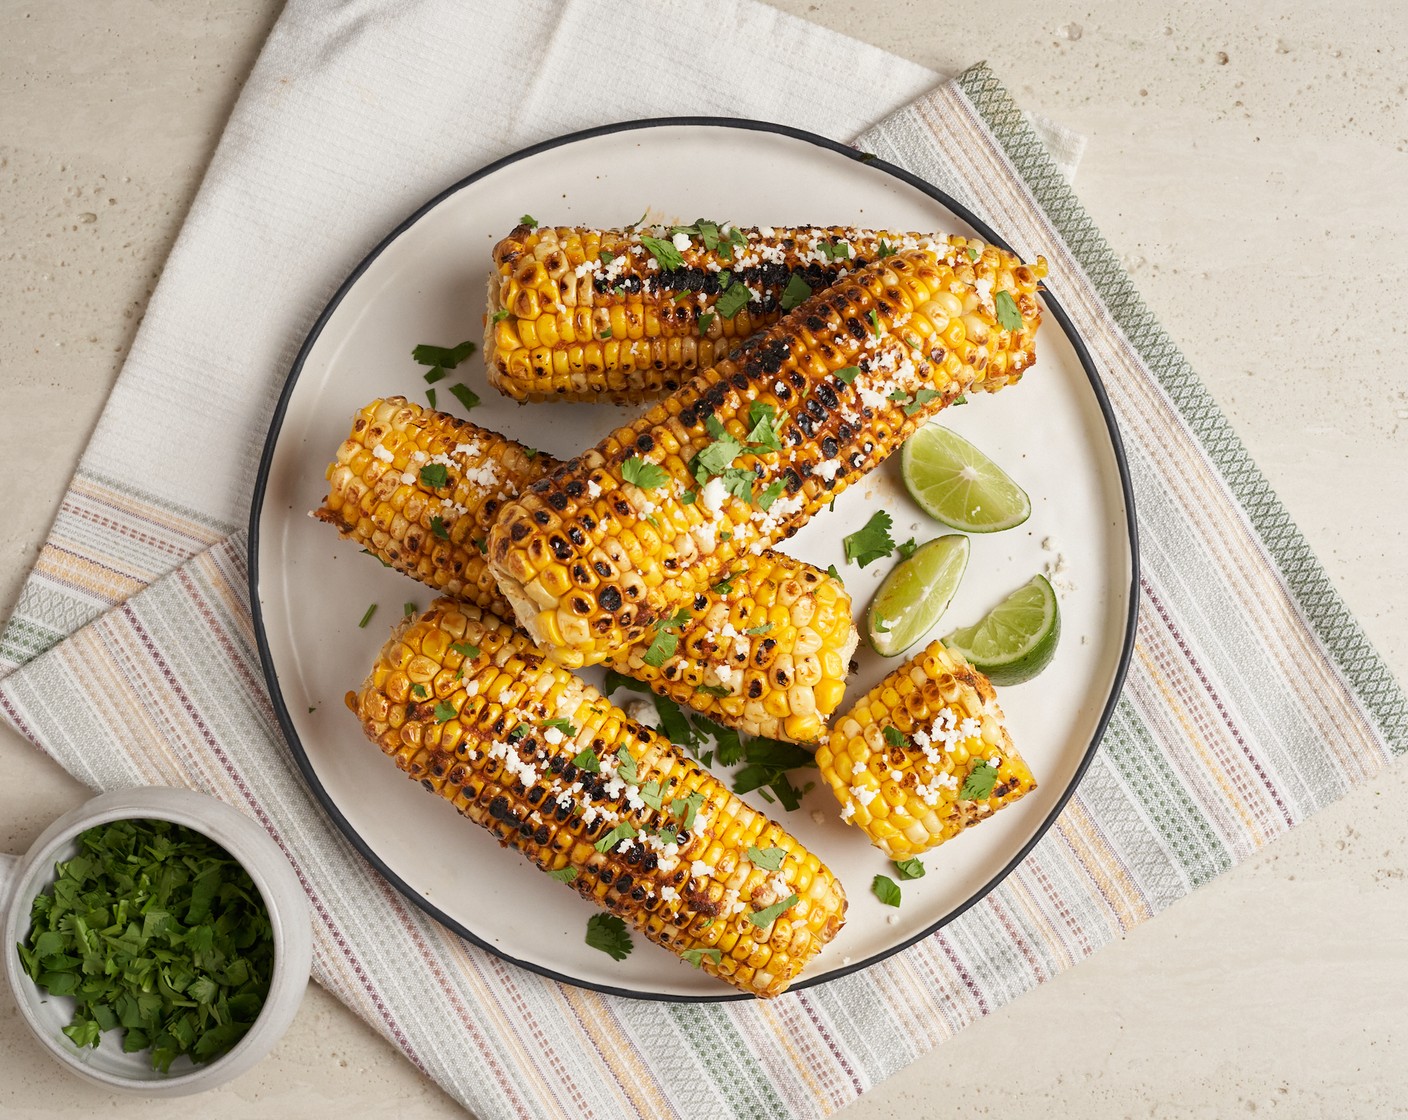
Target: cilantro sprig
x=647, y=476
x=608, y=933
x=155, y=930
x=872, y=541
x=1008, y=316
x=978, y=785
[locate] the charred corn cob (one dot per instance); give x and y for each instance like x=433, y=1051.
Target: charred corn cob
x=469, y=708
x=746, y=451
x=766, y=651
x=625, y=315
x=923, y=755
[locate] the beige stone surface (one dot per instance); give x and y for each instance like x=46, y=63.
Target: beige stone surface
x=1249, y=164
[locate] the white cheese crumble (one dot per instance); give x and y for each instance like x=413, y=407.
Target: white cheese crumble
x=379, y=452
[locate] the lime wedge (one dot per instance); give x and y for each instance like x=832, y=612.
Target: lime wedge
x=1017, y=639
x=958, y=485
x=915, y=595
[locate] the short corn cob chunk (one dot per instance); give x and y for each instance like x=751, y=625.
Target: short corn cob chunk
x=470, y=709
x=910, y=763
x=380, y=493
x=752, y=447
x=766, y=651
x=592, y=315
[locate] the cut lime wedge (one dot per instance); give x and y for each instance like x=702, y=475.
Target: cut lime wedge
x=958, y=485
x=915, y=595
x=1017, y=639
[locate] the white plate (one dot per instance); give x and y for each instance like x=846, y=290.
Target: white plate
x=426, y=283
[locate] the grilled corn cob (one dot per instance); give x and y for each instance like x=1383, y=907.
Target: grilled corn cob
x=923, y=755
x=746, y=451
x=625, y=315
x=469, y=708
x=766, y=651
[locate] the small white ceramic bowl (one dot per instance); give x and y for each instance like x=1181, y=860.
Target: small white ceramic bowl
x=106, y=1065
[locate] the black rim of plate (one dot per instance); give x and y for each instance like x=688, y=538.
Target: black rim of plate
x=276, y=424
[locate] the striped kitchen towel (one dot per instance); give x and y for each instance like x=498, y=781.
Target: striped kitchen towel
x=1253, y=698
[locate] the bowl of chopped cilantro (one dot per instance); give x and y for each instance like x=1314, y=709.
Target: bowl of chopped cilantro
x=156, y=940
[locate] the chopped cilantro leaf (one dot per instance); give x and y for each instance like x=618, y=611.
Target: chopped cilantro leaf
x=434, y=475
x=444, y=711
x=647, y=476
x=833, y=573
x=872, y=541
x=894, y=737
x=408, y=609
x=712, y=690
x=672, y=722
x=716, y=458
x=725, y=585
x=919, y=400
x=608, y=933
x=769, y=859
x=834, y=250
x=973, y=253
x=689, y=497
x=908, y=549
x=883, y=250
x=763, y=432
x=979, y=783
x=764, y=918
x=739, y=482
x=588, y=761
x=371, y=610
x=604, y=334
x=500, y=315
x=696, y=956
x=755, y=630
x=706, y=320
x=847, y=374
x=626, y=766
x=765, y=500
x=518, y=733
x=465, y=649
x=687, y=808
x=606, y=256
x=384, y=563
x=733, y=299
x=615, y=680
x=623, y=831
x=886, y=890
x=909, y=868
x=664, y=252
x=437, y=528
x=529, y=221
x=1007, y=314
x=798, y=291
x=419, y=691
x=564, y=725
x=563, y=874
x=465, y=395
x=960, y=399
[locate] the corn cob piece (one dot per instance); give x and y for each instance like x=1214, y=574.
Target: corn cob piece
x=471, y=709
x=597, y=315
x=766, y=651
x=744, y=453
x=923, y=755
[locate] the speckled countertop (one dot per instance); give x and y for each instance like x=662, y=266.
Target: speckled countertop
x=1250, y=169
